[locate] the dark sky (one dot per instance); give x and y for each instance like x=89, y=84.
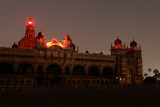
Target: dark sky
x=92, y=24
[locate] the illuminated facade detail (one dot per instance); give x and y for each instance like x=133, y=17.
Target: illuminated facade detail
x=129, y=62
x=34, y=62
x=28, y=41
x=67, y=45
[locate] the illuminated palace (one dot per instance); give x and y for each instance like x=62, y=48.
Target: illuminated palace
x=34, y=62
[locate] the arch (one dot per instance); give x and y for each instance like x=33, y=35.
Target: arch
x=69, y=82
x=93, y=71
x=40, y=70
x=78, y=70
x=22, y=82
x=2, y=82
x=8, y=82
x=6, y=68
x=130, y=76
x=54, y=70
x=106, y=82
x=25, y=69
x=78, y=82
x=15, y=82
x=67, y=71
x=107, y=72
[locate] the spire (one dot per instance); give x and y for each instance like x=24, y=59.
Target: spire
x=30, y=22
x=101, y=53
x=87, y=51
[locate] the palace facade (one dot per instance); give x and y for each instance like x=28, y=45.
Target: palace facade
x=34, y=62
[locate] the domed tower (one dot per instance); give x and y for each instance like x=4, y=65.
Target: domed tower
x=118, y=48
x=40, y=38
x=134, y=55
x=14, y=45
x=40, y=42
x=68, y=44
x=118, y=42
x=134, y=50
x=28, y=41
x=133, y=44
x=119, y=52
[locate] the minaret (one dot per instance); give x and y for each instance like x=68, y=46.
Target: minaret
x=28, y=41
x=30, y=35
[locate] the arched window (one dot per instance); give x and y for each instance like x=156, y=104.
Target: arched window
x=107, y=72
x=54, y=70
x=78, y=70
x=25, y=69
x=93, y=71
x=6, y=68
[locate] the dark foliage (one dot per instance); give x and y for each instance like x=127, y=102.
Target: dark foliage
x=150, y=80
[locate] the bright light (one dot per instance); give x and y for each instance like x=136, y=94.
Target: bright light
x=30, y=22
x=54, y=42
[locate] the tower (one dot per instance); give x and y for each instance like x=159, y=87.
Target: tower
x=119, y=51
x=134, y=55
x=128, y=63
x=68, y=44
x=28, y=41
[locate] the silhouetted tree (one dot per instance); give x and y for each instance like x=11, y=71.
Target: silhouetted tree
x=155, y=71
x=145, y=75
x=150, y=80
x=149, y=70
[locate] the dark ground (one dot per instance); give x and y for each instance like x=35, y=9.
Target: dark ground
x=58, y=97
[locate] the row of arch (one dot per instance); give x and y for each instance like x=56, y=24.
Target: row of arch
x=54, y=69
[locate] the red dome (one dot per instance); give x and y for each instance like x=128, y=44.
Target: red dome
x=117, y=42
x=133, y=43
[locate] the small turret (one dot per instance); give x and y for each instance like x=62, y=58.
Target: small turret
x=133, y=44
x=14, y=45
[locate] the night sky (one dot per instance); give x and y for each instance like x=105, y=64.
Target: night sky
x=92, y=24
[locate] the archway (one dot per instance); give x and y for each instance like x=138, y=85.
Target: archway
x=54, y=70
x=107, y=72
x=8, y=82
x=25, y=69
x=130, y=77
x=94, y=71
x=6, y=68
x=78, y=70
x=54, y=73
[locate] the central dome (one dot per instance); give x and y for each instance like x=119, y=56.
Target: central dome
x=133, y=43
x=118, y=42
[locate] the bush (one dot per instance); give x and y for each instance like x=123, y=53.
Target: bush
x=150, y=80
